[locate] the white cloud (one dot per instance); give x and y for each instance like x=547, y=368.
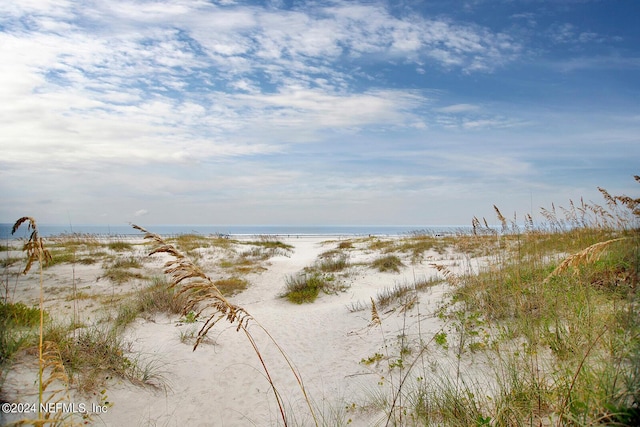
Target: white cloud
x=458, y=108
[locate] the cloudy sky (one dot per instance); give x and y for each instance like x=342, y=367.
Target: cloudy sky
x=314, y=112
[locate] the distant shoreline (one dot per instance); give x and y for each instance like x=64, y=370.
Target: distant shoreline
x=239, y=231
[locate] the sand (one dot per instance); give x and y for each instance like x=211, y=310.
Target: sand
x=222, y=383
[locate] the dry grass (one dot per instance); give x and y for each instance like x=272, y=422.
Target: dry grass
x=332, y=261
x=405, y=293
x=231, y=285
x=585, y=256
x=36, y=252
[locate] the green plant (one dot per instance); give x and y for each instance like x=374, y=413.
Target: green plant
x=120, y=275
x=266, y=247
x=303, y=288
x=190, y=317
x=17, y=329
x=441, y=339
x=372, y=359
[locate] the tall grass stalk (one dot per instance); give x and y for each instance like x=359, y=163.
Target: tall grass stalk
x=36, y=252
x=201, y=294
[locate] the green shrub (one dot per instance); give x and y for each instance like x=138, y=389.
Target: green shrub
x=303, y=288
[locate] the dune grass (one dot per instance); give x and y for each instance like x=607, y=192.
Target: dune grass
x=550, y=316
x=332, y=261
x=17, y=325
x=386, y=263
x=303, y=288
x=231, y=286
x=404, y=292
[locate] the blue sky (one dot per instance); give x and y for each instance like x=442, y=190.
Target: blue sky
x=318, y=112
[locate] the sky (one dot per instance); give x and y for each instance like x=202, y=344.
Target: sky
x=314, y=112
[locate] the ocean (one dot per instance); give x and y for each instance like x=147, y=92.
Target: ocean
x=47, y=230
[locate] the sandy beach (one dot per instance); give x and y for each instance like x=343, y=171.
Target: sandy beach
x=344, y=359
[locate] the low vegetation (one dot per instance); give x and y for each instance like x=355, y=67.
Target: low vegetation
x=231, y=285
x=121, y=270
x=405, y=293
x=17, y=325
x=332, y=262
x=551, y=316
x=387, y=263
x=303, y=288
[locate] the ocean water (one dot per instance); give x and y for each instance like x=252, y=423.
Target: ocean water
x=47, y=230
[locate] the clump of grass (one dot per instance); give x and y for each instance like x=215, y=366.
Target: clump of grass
x=332, y=261
x=387, y=263
x=303, y=288
x=119, y=246
x=158, y=297
x=268, y=241
x=377, y=244
x=9, y=261
x=194, y=244
x=552, y=310
x=570, y=316
x=119, y=271
x=346, y=244
x=241, y=265
x=120, y=275
x=61, y=257
x=129, y=262
x=19, y=315
x=96, y=353
x=266, y=247
x=231, y=286
x=404, y=292
x=77, y=248
x=18, y=325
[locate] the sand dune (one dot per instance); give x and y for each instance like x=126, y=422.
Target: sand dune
x=222, y=383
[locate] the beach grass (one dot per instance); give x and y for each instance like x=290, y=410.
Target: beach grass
x=303, y=288
x=390, y=263
x=550, y=314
